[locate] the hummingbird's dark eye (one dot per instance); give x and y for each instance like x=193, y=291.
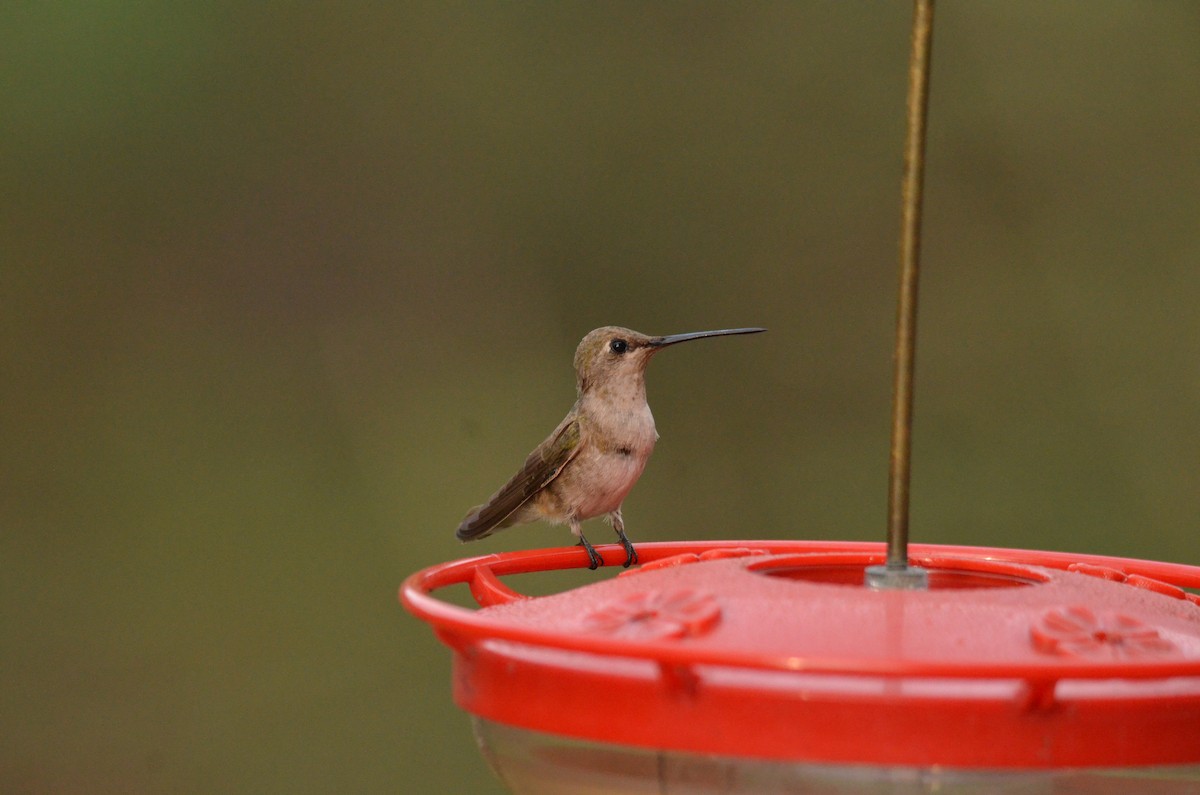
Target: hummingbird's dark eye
x=618, y=346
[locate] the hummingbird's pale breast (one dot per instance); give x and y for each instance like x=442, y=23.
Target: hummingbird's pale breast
x=616, y=440
x=616, y=458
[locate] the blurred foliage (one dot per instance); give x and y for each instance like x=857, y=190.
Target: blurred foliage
x=288, y=287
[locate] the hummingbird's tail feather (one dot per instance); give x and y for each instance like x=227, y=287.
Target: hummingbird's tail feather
x=475, y=525
x=469, y=529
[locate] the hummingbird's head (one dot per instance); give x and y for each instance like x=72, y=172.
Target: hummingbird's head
x=610, y=353
x=613, y=354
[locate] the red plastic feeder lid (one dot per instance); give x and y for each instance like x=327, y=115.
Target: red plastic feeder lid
x=775, y=650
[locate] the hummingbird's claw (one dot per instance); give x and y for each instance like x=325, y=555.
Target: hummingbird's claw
x=631, y=556
x=593, y=556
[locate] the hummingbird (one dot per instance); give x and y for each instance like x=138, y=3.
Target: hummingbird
x=588, y=465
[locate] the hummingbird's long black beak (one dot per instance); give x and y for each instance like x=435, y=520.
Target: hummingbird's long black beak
x=671, y=339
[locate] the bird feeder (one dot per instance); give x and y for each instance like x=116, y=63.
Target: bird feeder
x=750, y=667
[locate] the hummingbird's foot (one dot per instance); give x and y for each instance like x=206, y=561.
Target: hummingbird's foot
x=593, y=555
x=618, y=523
x=630, y=553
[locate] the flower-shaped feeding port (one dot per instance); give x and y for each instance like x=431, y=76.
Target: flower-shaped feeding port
x=655, y=615
x=1079, y=632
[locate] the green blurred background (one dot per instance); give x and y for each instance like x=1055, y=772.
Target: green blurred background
x=288, y=287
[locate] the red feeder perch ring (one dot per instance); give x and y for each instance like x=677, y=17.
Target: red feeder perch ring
x=774, y=651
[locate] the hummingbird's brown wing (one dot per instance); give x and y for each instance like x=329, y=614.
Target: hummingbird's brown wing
x=541, y=467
